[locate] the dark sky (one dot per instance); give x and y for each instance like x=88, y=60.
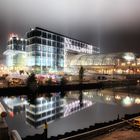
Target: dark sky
x=113, y=25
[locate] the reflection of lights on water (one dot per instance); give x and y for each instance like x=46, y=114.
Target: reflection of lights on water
x=11, y=114
x=108, y=98
x=85, y=93
x=117, y=97
x=137, y=100
x=100, y=94
x=22, y=99
x=127, y=101
x=75, y=106
x=90, y=96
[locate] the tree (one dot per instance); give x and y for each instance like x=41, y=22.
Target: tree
x=49, y=81
x=32, y=82
x=63, y=81
x=81, y=73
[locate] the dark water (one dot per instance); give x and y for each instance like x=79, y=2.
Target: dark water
x=99, y=106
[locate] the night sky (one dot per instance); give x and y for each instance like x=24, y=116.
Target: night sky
x=113, y=25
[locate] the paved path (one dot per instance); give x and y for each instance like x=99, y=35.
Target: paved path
x=121, y=134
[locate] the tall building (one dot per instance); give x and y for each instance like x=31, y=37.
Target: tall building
x=15, y=53
x=50, y=51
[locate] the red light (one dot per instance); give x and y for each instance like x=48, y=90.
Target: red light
x=3, y=114
x=11, y=114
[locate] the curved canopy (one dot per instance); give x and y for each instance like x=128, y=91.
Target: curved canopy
x=100, y=59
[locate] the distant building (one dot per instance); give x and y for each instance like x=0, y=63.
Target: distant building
x=15, y=53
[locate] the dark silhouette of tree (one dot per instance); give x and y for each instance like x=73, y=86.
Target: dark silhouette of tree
x=49, y=95
x=49, y=81
x=32, y=83
x=32, y=99
x=62, y=94
x=63, y=81
x=21, y=72
x=81, y=74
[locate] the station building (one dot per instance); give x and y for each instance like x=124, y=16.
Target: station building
x=51, y=51
x=43, y=51
x=113, y=63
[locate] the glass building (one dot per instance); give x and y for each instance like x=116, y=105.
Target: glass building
x=16, y=53
x=44, y=51
x=50, y=51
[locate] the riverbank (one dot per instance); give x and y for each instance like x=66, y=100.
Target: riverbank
x=125, y=133
x=24, y=90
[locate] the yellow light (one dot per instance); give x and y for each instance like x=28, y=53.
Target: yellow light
x=117, y=97
x=137, y=100
x=134, y=64
x=123, y=64
x=108, y=98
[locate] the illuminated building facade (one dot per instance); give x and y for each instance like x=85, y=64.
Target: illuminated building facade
x=44, y=110
x=44, y=51
x=50, y=51
x=113, y=63
x=15, y=53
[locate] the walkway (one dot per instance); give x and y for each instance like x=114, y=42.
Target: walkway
x=126, y=133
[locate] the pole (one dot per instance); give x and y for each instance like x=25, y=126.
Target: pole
x=46, y=131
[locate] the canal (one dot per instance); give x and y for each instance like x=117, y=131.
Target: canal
x=27, y=114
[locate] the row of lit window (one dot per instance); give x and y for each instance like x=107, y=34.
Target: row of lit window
x=48, y=107
x=44, y=56
x=45, y=49
x=16, y=47
x=38, y=123
x=36, y=40
x=51, y=64
x=14, y=41
x=45, y=35
x=43, y=114
x=55, y=37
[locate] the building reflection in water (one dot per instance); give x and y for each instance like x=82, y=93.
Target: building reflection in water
x=15, y=105
x=45, y=109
